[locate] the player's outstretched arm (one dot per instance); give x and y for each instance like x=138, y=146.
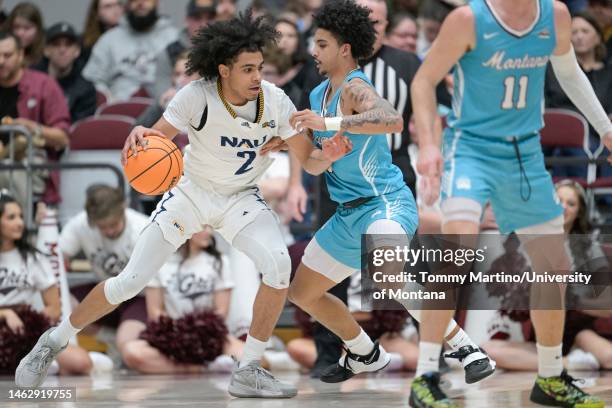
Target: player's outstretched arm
x=572, y=79
x=316, y=161
x=137, y=136
x=374, y=114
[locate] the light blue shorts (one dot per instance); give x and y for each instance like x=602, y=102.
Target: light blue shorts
x=340, y=237
x=521, y=192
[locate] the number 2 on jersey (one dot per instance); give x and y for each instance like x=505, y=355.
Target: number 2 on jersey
x=508, y=102
x=250, y=156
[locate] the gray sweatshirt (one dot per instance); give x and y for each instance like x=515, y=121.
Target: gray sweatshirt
x=164, y=68
x=123, y=60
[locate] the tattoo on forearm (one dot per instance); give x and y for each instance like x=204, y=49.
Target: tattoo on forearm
x=308, y=133
x=375, y=110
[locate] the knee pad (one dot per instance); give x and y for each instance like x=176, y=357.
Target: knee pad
x=552, y=227
x=461, y=209
x=123, y=287
x=274, y=265
x=386, y=233
x=149, y=255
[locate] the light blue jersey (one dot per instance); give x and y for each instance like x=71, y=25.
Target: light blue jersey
x=491, y=148
x=499, y=85
x=367, y=171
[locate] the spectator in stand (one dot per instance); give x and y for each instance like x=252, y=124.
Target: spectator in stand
x=303, y=10
x=279, y=70
x=123, y=59
x=35, y=100
x=61, y=54
x=101, y=17
x=106, y=232
x=406, y=6
x=431, y=15
x=179, y=80
x=587, y=39
x=602, y=10
x=26, y=22
x=289, y=60
x=226, y=10
x=199, y=14
x=576, y=6
x=2, y=15
x=402, y=32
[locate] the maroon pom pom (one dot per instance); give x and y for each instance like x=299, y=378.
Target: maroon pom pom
x=385, y=321
x=195, y=338
x=13, y=347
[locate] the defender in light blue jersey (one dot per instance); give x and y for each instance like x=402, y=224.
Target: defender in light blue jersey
x=369, y=189
x=491, y=152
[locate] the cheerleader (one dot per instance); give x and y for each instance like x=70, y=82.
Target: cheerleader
x=106, y=232
x=23, y=278
x=187, y=303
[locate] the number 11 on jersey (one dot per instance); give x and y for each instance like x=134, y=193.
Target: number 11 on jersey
x=508, y=102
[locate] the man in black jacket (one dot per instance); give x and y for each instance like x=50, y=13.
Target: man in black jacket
x=62, y=50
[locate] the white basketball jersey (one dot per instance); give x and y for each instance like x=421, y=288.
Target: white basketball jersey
x=224, y=148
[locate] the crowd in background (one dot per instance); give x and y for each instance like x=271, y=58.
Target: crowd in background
x=51, y=77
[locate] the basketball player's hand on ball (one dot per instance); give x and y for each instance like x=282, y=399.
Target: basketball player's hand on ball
x=276, y=144
x=334, y=148
x=307, y=119
x=12, y=320
x=137, y=138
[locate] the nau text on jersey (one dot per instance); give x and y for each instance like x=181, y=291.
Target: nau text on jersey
x=243, y=143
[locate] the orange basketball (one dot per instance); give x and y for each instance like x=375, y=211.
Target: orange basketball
x=154, y=170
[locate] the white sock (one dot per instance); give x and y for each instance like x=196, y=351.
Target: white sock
x=460, y=339
x=429, y=358
x=550, y=361
x=280, y=361
x=362, y=345
x=396, y=362
x=60, y=336
x=253, y=350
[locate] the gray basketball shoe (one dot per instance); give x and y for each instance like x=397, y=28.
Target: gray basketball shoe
x=252, y=381
x=32, y=369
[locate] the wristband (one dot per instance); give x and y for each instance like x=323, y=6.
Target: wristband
x=333, y=123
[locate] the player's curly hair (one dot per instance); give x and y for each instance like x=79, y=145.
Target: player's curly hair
x=221, y=43
x=349, y=23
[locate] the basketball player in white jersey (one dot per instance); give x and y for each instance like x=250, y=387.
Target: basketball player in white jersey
x=229, y=115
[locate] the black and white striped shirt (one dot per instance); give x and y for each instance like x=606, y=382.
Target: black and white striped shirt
x=391, y=71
